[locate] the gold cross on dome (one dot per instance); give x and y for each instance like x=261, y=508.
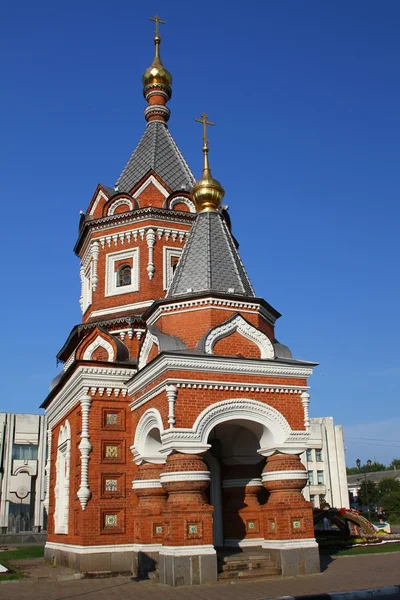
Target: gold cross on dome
x=203, y=120
x=157, y=21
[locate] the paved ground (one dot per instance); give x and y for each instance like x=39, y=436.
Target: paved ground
x=339, y=574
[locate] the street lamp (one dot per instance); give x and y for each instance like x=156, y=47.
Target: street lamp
x=358, y=463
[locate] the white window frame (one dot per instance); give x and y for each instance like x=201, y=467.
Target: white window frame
x=168, y=273
x=112, y=289
x=87, y=288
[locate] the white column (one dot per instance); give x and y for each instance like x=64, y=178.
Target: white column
x=305, y=400
x=47, y=471
x=95, y=249
x=151, y=240
x=172, y=393
x=85, y=447
x=82, y=276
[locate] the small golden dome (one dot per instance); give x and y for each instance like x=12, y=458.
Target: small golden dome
x=207, y=192
x=157, y=74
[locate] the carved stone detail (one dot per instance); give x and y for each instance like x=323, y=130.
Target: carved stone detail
x=246, y=330
x=85, y=448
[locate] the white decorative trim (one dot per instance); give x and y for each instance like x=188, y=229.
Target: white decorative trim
x=101, y=549
x=290, y=544
x=150, y=420
x=233, y=483
x=246, y=330
x=234, y=543
x=120, y=202
x=132, y=235
x=61, y=490
x=118, y=309
x=85, y=448
x=183, y=200
x=305, y=400
x=46, y=502
x=172, y=393
x=216, y=364
x=148, y=342
x=169, y=252
x=69, y=361
x=146, y=484
x=100, y=195
x=156, y=183
x=94, y=250
x=185, y=476
x=187, y=550
x=85, y=378
x=204, y=303
x=112, y=289
x=283, y=475
x=151, y=240
x=99, y=342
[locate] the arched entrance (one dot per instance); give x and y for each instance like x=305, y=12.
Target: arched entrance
x=236, y=491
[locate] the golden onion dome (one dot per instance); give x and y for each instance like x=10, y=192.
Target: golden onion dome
x=207, y=192
x=157, y=74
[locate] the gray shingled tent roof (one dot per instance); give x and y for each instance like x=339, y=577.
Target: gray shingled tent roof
x=210, y=261
x=157, y=150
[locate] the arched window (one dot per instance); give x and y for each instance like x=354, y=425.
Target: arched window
x=124, y=275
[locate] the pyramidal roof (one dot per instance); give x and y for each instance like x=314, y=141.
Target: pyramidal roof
x=210, y=261
x=157, y=150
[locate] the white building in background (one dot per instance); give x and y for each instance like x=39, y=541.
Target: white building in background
x=22, y=461
x=326, y=464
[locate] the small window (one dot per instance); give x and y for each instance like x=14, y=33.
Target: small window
x=25, y=452
x=320, y=477
x=313, y=501
x=309, y=455
x=310, y=477
x=124, y=276
x=318, y=455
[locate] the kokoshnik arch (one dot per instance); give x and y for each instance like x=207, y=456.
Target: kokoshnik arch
x=176, y=425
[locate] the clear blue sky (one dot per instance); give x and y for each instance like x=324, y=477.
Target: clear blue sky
x=306, y=98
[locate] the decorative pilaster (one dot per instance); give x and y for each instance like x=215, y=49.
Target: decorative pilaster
x=172, y=393
x=46, y=502
x=82, y=277
x=152, y=499
x=305, y=400
x=151, y=240
x=95, y=249
x=85, y=448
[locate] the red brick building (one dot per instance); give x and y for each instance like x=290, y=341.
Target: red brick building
x=176, y=425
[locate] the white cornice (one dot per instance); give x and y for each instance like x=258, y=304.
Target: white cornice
x=290, y=544
x=187, y=550
x=284, y=475
x=80, y=382
x=260, y=367
x=118, y=309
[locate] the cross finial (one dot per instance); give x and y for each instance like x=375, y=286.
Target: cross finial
x=157, y=22
x=203, y=120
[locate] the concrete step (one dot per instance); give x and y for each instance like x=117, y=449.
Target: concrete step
x=247, y=565
x=154, y=575
x=249, y=573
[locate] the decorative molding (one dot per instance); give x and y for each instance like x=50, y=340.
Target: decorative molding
x=100, y=195
x=145, y=484
x=187, y=550
x=118, y=309
x=151, y=240
x=169, y=252
x=172, y=393
x=148, y=342
x=283, y=475
x=185, y=476
x=46, y=502
x=305, y=400
x=133, y=235
x=85, y=448
x=69, y=361
x=246, y=330
x=112, y=289
x=204, y=303
x=150, y=420
x=234, y=543
x=61, y=490
x=120, y=202
x=155, y=182
x=183, y=200
x=83, y=380
x=99, y=342
x=232, y=483
x=290, y=544
x=100, y=549
x=216, y=364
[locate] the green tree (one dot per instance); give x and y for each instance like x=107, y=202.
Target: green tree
x=372, y=468
x=387, y=486
x=368, y=494
x=391, y=503
x=395, y=464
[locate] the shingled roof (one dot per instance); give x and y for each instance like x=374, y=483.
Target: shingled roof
x=210, y=261
x=157, y=150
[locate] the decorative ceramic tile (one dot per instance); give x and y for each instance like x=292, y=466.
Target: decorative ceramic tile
x=251, y=525
x=192, y=529
x=111, y=485
x=157, y=529
x=296, y=524
x=111, y=418
x=111, y=451
x=110, y=520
